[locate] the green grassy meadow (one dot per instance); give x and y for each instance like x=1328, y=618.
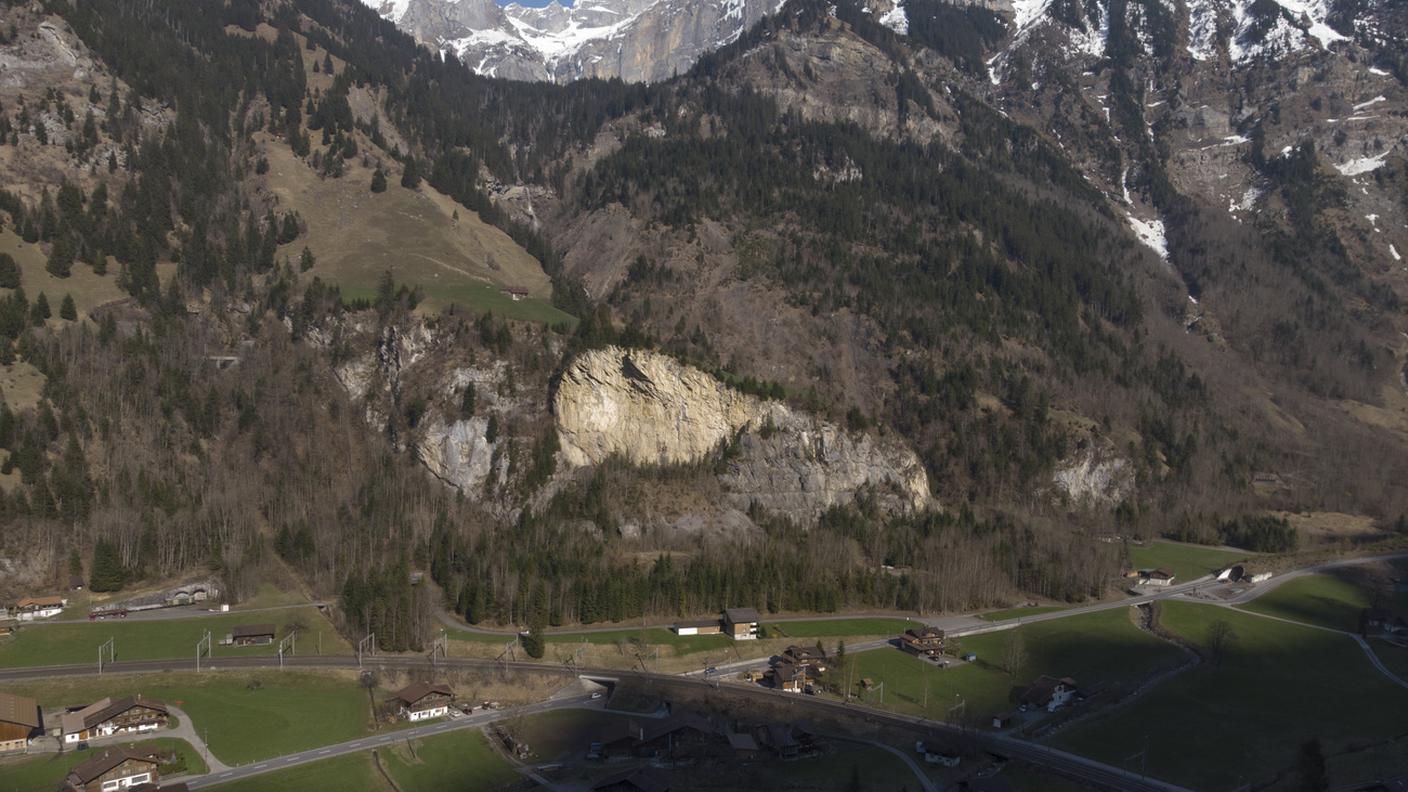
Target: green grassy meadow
x=1101, y=648
x=838, y=628
x=61, y=643
x=241, y=721
x=348, y=773
x=1215, y=728
x=1322, y=600
x=1187, y=562
x=1017, y=613
x=460, y=761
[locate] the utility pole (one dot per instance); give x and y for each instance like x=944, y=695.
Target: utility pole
x=111, y=652
x=204, y=641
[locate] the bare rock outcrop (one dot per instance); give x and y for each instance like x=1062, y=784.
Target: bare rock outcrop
x=650, y=409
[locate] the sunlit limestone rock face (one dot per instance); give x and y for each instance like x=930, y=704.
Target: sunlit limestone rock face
x=649, y=409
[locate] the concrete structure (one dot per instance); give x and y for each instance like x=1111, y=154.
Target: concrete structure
x=423, y=701
x=252, y=635
x=741, y=624
x=105, y=717
x=19, y=720
x=698, y=627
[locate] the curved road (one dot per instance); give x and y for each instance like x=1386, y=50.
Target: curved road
x=1087, y=770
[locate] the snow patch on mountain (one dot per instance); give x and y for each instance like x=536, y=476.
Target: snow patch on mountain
x=1361, y=165
x=896, y=19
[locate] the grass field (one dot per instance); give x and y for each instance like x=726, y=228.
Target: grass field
x=356, y=235
x=240, y=724
x=1017, y=613
x=45, y=772
x=88, y=289
x=1096, y=648
x=838, y=628
x=134, y=639
x=460, y=761
x=1315, y=599
x=1218, y=727
x=1187, y=562
x=350, y=773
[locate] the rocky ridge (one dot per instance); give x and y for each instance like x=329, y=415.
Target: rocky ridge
x=649, y=409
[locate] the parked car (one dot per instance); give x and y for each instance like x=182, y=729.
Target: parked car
x=710, y=670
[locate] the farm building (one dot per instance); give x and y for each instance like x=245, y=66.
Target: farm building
x=741, y=624
x=119, y=768
x=252, y=635
x=19, y=720
x=515, y=294
x=31, y=608
x=924, y=642
x=698, y=627
x=1050, y=693
x=423, y=700
x=105, y=717
x=804, y=654
x=1156, y=577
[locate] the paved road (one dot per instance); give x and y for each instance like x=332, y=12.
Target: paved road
x=171, y=614
x=1087, y=770
x=382, y=740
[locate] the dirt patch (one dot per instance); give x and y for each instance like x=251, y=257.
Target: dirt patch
x=1321, y=527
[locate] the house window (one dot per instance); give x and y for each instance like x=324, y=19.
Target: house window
x=108, y=786
x=139, y=779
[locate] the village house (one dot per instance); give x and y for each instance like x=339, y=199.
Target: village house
x=741, y=624
x=806, y=654
x=681, y=736
x=788, y=676
x=31, y=608
x=1050, y=693
x=118, y=768
x=1156, y=577
x=19, y=720
x=698, y=627
x=252, y=635
x=515, y=294
x=924, y=642
x=423, y=700
x=105, y=717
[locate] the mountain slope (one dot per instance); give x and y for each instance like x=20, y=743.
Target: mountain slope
x=634, y=40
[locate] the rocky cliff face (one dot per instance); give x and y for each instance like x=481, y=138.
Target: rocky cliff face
x=649, y=409
x=634, y=40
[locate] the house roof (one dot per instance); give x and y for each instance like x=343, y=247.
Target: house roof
x=1161, y=573
x=18, y=709
x=804, y=652
x=415, y=692
x=1045, y=686
x=741, y=615
x=251, y=630
x=91, y=769
x=41, y=602
x=106, y=709
x=927, y=632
